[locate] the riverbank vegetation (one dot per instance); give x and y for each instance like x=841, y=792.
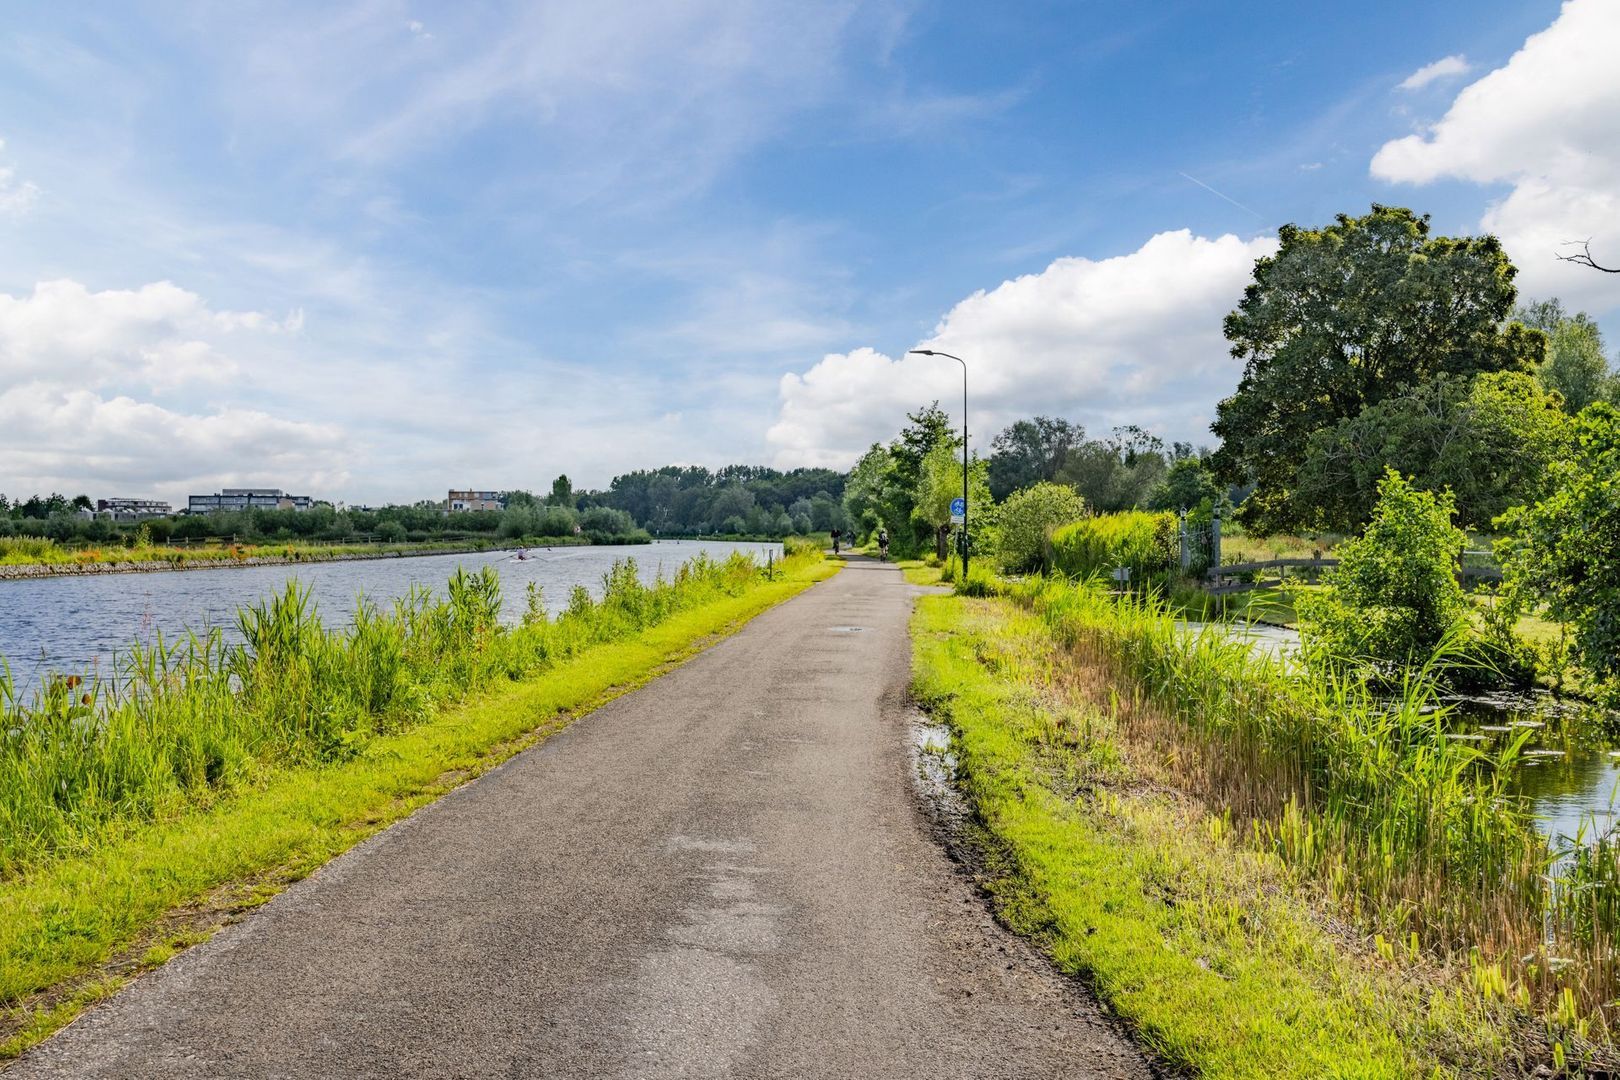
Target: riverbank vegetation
x=204, y=766
x=1267, y=877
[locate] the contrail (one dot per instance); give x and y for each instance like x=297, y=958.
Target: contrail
x=1218, y=195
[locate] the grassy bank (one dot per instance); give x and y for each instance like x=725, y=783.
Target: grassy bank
x=216, y=776
x=1269, y=877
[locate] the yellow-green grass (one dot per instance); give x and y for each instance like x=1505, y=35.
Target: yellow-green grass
x=72, y=930
x=1223, y=961
x=919, y=571
x=1235, y=545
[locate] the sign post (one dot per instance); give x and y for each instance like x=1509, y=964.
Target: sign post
x=959, y=517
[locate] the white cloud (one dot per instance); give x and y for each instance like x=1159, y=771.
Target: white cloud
x=1131, y=339
x=1543, y=123
x=16, y=196
x=157, y=336
x=1446, y=68
x=78, y=368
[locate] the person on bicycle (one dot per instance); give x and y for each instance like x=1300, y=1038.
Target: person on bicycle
x=883, y=544
x=835, y=536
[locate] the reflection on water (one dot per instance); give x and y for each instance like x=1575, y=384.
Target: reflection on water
x=1568, y=773
x=1573, y=791
x=76, y=624
x=1263, y=638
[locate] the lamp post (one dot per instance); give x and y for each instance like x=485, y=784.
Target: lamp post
x=959, y=360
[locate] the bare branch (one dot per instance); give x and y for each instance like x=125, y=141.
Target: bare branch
x=1584, y=258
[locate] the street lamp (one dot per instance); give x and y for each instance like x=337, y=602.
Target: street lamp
x=959, y=360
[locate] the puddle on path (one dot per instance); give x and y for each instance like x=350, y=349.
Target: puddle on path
x=933, y=769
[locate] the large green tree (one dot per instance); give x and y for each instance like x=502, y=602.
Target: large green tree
x=1029, y=452
x=1343, y=317
x=1565, y=549
x=1489, y=439
x=1185, y=487
x=942, y=482
x=1119, y=472
x=1575, y=365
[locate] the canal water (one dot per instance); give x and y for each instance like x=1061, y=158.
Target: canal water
x=1571, y=780
x=75, y=624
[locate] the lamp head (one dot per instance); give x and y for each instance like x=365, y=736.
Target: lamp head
x=924, y=352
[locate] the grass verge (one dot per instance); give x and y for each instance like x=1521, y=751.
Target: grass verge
x=1225, y=961
x=73, y=930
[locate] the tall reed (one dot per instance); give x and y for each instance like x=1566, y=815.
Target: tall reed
x=183, y=722
x=1417, y=834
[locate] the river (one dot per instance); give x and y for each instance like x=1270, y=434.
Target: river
x=75, y=624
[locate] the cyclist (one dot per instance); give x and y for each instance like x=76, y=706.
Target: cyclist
x=883, y=544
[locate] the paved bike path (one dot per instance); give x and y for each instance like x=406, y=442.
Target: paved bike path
x=722, y=874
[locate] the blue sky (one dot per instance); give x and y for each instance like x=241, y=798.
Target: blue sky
x=374, y=250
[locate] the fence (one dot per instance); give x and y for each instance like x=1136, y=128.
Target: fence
x=1201, y=559
x=1223, y=580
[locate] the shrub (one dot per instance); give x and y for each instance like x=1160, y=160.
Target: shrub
x=604, y=523
x=1394, y=597
x=1027, y=520
x=978, y=582
x=1141, y=540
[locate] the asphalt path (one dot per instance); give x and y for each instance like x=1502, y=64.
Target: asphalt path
x=727, y=873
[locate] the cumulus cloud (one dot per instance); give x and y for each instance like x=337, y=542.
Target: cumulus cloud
x=1131, y=339
x=1543, y=123
x=1445, y=68
x=158, y=336
x=80, y=369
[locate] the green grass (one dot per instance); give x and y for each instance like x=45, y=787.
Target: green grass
x=1216, y=953
x=78, y=918
x=920, y=571
x=1236, y=546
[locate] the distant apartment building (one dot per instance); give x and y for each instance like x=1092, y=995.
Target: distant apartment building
x=248, y=499
x=121, y=509
x=460, y=501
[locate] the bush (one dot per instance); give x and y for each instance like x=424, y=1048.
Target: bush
x=1394, y=597
x=603, y=523
x=1027, y=520
x=978, y=582
x=1144, y=541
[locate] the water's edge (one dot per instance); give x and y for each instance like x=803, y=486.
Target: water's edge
x=29, y=571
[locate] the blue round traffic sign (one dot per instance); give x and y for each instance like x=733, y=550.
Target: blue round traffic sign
x=958, y=507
